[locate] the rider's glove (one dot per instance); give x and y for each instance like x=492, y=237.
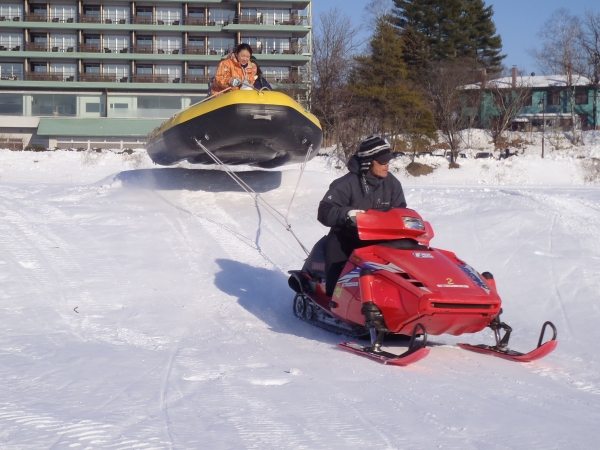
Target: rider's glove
x=352, y=215
x=235, y=82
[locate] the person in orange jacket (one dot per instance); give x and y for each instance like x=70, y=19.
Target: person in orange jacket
x=236, y=71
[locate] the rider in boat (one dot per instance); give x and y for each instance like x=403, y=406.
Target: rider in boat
x=236, y=71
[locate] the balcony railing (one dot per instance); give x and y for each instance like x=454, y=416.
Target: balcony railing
x=291, y=78
x=12, y=76
x=45, y=76
x=150, y=78
x=9, y=48
x=195, y=50
x=111, y=19
x=202, y=79
x=98, y=77
x=36, y=46
x=35, y=17
x=150, y=49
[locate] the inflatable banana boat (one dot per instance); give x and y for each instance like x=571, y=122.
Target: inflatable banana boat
x=259, y=128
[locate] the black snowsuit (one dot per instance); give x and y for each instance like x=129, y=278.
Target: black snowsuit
x=352, y=191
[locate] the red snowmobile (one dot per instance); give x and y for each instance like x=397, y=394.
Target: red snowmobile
x=398, y=284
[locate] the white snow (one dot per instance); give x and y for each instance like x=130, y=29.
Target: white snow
x=148, y=307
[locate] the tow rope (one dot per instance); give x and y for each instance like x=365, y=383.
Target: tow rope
x=279, y=217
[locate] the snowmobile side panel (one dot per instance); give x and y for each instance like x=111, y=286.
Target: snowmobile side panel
x=512, y=355
x=405, y=359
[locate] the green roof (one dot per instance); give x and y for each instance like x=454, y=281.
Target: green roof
x=100, y=127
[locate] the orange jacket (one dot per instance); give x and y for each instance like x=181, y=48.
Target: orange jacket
x=229, y=69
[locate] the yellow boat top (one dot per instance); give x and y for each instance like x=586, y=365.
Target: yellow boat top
x=238, y=97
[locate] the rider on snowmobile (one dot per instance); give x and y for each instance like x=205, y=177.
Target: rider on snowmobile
x=366, y=186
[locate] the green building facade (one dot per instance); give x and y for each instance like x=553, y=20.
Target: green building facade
x=549, y=100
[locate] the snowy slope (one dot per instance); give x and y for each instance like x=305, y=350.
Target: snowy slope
x=147, y=307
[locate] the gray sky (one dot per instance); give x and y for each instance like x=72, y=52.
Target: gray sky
x=517, y=21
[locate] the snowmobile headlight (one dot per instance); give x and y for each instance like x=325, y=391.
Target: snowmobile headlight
x=413, y=223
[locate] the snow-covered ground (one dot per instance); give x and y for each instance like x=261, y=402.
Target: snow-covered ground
x=148, y=307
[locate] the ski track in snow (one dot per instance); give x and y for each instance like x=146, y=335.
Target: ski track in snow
x=183, y=336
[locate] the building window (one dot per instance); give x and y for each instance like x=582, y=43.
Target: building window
x=54, y=105
x=220, y=46
x=116, y=44
x=275, y=16
x=168, y=16
x=220, y=16
x=92, y=107
x=168, y=44
x=275, y=45
x=39, y=67
x=11, y=104
x=196, y=17
x=276, y=74
x=143, y=70
x=11, y=11
x=528, y=99
x=117, y=14
x=158, y=102
x=143, y=15
x=554, y=98
x=171, y=73
x=120, y=71
x=63, y=13
x=196, y=46
x=66, y=71
x=63, y=42
x=11, y=71
x=581, y=97
x=11, y=41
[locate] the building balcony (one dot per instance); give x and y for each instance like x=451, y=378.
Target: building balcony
x=10, y=18
x=199, y=79
x=8, y=48
x=150, y=78
x=35, y=17
x=98, y=78
x=36, y=46
x=11, y=77
x=45, y=76
x=112, y=19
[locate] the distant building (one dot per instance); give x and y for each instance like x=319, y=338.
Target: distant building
x=549, y=100
x=109, y=70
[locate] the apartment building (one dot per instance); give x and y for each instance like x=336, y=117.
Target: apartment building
x=73, y=71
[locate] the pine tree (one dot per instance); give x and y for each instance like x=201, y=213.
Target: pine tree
x=380, y=81
x=453, y=29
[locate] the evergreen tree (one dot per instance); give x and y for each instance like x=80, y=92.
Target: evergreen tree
x=380, y=82
x=416, y=53
x=453, y=29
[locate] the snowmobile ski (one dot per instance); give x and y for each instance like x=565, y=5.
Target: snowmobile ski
x=504, y=352
x=415, y=352
x=409, y=357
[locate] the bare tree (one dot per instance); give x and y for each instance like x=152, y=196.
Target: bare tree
x=376, y=10
x=508, y=102
x=334, y=45
x=562, y=54
x=589, y=40
x=444, y=90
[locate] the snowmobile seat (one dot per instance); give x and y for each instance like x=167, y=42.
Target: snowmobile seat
x=315, y=263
